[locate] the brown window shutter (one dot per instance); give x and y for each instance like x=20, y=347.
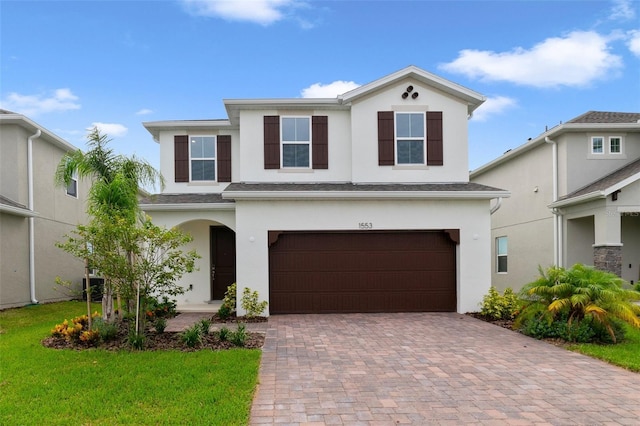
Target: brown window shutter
x=271, y=142
x=434, y=138
x=224, y=158
x=386, y=152
x=320, y=142
x=181, y=157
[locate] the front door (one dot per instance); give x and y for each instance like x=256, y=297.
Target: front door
x=223, y=260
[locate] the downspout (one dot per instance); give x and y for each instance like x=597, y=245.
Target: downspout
x=497, y=206
x=32, y=246
x=557, y=217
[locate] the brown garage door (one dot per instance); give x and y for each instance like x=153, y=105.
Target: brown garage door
x=322, y=272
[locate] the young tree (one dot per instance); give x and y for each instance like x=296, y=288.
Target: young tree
x=113, y=197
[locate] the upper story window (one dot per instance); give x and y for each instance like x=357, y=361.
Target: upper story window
x=72, y=187
x=410, y=146
x=606, y=147
x=501, y=254
x=296, y=141
x=615, y=144
x=597, y=145
x=203, y=158
x=410, y=138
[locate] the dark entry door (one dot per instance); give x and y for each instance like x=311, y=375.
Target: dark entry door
x=223, y=260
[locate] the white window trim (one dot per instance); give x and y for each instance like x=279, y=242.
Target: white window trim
x=74, y=179
x=215, y=159
x=592, y=140
x=498, y=256
x=423, y=138
x=621, y=139
x=283, y=142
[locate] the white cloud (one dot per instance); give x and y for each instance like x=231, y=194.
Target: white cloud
x=622, y=10
x=144, y=111
x=577, y=59
x=493, y=106
x=110, y=129
x=33, y=105
x=331, y=90
x=634, y=42
x=262, y=12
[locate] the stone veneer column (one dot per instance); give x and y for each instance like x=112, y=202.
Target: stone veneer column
x=608, y=258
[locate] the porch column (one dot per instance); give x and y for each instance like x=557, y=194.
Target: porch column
x=607, y=250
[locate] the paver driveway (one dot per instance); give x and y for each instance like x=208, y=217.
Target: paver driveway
x=430, y=368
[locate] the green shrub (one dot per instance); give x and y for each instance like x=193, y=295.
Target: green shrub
x=136, y=340
x=192, y=336
x=228, y=307
x=223, y=334
x=581, y=297
x=239, y=337
x=107, y=330
x=160, y=324
x=205, y=326
x=500, y=307
x=250, y=303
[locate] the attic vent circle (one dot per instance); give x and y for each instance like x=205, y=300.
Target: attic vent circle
x=405, y=95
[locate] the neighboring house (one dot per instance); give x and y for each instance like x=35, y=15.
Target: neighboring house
x=575, y=199
x=359, y=203
x=35, y=214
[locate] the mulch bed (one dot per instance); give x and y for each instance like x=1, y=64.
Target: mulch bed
x=160, y=341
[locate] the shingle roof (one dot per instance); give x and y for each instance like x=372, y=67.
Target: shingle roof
x=606, y=117
x=184, y=199
x=351, y=187
x=607, y=181
x=8, y=202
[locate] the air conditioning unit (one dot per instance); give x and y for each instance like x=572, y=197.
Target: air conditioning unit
x=97, y=288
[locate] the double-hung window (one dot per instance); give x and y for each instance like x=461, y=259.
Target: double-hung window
x=501, y=255
x=72, y=187
x=203, y=158
x=597, y=145
x=615, y=145
x=296, y=142
x=410, y=138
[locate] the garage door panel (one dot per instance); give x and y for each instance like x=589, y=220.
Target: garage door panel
x=362, y=272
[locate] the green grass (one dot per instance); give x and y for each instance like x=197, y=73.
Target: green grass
x=39, y=385
x=625, y=354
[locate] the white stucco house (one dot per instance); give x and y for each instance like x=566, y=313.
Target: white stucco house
x=575, y=199
x=359, y=203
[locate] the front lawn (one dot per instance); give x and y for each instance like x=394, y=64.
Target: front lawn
x=39, y=385
x=625, y=354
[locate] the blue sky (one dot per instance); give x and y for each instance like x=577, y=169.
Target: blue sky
x=69, y=65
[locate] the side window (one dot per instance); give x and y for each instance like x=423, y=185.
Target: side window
x=597, y=145
x=501, y=255
x=615, y=145
x=410, y=146
x=72, y=188
x=203, y=158
x=296, y=142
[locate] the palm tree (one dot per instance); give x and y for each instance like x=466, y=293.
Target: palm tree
x=113, y=196
x=582, y=292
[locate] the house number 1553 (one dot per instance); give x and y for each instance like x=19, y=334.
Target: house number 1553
x=365, y=225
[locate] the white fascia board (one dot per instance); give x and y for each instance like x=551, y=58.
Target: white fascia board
x=17, y=211
x=552, y=133
x=618, y=186
x=155, y=127
x=188, y=207
x=32, y=126
x=595, y=195
x=234, y=106
x=364, y=195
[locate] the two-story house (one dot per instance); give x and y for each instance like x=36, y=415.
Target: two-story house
x=35, y=214
x=359, y=203
x=575, y=199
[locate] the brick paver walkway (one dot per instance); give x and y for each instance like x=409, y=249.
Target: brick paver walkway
x=430, y=368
